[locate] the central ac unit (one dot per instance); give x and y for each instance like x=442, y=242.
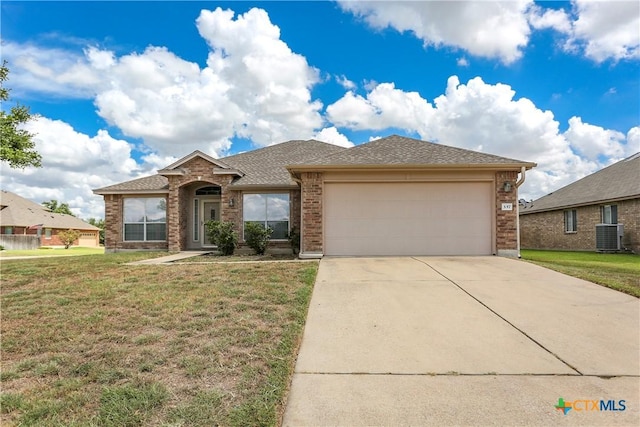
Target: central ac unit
x=609, y=237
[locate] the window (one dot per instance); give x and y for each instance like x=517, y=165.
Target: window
x=270, y=210
x=609, y=214
x=196, y=220
x=570, y=221
x=47, y=233
x=145, y=219
x=209, y=191
x=8, y=230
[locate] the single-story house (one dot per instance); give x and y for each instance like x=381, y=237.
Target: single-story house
x=19, y=216
x=391, y=196
x=607, y=201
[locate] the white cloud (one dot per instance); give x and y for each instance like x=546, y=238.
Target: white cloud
x=592, y=142
x=345, y=82
x=556, y=19
x=268, y=82
x=253, y=86
x=73, y=164
x=384, y=107
x=606, y=30
x=333, y=136
x=462, y=62
x=488, y=118
x=486, y=29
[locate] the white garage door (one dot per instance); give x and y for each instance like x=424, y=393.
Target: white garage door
x=408, y=218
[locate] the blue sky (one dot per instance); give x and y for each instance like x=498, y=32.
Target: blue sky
x=125, y=88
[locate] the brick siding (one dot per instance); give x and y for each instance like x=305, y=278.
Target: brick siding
x=506, y=227
x=179, y=206
x=545, y=230
x=311, y=199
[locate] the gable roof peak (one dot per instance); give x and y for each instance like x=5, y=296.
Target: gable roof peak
x=197, y=153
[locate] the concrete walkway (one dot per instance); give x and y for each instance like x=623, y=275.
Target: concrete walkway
x=168, y=259
x=462, y=341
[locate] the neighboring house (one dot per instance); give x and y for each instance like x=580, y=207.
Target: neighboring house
x=19, y=216
x=391, y=196
x=567, y=218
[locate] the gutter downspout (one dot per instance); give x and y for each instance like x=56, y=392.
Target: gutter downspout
x=518, y=184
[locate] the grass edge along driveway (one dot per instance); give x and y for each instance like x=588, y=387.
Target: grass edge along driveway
x=616, y=271
x=92, y=341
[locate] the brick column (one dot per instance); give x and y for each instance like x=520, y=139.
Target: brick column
x=311, y=227
x=506, y=228
x=173, y=215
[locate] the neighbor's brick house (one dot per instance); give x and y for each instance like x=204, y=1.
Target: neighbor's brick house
x=392, y=196
x=22, y=217
x=566, y=219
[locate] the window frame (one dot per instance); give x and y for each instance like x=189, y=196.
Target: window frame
x=570, y=221
x=266, y=219
x=145, y=222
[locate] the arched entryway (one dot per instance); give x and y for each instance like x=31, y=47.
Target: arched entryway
x=204, y=205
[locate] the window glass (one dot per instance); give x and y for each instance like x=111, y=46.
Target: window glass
x=570, y=221
x=254, y=207
x=8, y=230
x=269, y=210
x=610, y=214
x=145, y=219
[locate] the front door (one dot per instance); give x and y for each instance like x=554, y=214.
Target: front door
x=210, y=211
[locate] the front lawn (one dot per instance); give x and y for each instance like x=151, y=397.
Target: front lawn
x=92, y=341
x=46, y=251
x=617, y=271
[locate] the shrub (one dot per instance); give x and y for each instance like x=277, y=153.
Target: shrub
x=257, y=236
x=294, y=240
x=69, y=236
x=223, y=236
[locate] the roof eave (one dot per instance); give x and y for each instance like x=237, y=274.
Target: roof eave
x=412, y=167
x=287, y=186
x=107, y=192
x=580, y=205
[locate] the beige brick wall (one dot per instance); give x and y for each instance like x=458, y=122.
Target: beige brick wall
x=545, y=230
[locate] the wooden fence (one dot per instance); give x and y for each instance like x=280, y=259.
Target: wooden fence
x=19, y=242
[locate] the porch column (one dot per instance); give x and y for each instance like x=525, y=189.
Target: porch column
x=173, y=216
x=311, y=217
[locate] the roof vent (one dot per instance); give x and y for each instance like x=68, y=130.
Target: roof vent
x=609, y=237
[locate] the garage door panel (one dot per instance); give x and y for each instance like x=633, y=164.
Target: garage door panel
x=408, y=218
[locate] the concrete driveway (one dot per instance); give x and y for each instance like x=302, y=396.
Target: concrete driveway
x=463, y=341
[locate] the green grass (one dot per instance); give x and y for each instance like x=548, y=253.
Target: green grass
x=93, y=341
x=617, y=271
x=46, y=251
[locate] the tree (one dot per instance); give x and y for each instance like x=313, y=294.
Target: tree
x=16, y=145
x=53, y=206
x=68, y=237
x=100, y=224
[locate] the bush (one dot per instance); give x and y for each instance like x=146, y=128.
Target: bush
x=294, y=240
x=257, y=237
x=68, y=237
x=223, y=236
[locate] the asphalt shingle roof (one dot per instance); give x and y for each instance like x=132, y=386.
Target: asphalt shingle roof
x=157, y=183
x=266, y=166
x=615, y=182
x=399, y=150
x=19, y=212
